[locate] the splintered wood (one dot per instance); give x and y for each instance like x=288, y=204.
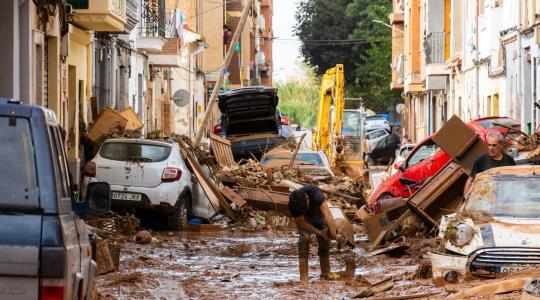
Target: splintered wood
x=222, y=151
x=208, y=186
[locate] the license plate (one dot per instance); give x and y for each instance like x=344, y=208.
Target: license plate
x=510, y=270
x=126, y=196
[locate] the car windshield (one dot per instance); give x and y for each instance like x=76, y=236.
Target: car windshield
x=506, y=196
x=376, y=134
x=301, y=158
x=17, y=157
x=490, y=123
x=351, y=124
x=375, y=118
x=137, y=152
x=423, y=152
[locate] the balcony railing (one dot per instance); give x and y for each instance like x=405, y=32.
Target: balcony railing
x=434, y=48
x=153, y=18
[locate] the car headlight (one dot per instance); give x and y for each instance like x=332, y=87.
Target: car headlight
x=463, y=235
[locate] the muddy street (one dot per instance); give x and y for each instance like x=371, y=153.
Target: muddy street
x=245, y=265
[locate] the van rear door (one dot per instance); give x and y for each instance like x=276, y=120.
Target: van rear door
x=20, y=212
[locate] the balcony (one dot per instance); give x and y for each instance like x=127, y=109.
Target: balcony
x=100, y=15
x=169, y=56
x=152, y=26
x=434, y=47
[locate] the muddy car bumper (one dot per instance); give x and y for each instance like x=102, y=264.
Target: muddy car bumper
x=488, y=261
x=163, y=196
x=448, y=268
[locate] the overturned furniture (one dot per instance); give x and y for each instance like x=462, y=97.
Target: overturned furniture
x=440, y=194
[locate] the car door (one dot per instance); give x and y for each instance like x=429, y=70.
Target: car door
x=66, y=215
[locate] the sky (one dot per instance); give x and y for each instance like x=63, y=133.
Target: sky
x=285, y=52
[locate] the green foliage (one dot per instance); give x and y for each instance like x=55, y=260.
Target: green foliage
x=298, y=100
x=367, y=53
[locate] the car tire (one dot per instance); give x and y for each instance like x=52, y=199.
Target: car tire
x=178, y=218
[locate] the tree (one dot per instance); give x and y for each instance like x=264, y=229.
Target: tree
x=298, y=99
x=373, y=73
x=342, y=31
x=320, y=21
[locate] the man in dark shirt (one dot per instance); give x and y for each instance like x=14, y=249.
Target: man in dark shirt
x=493, y=159
x=312, y=215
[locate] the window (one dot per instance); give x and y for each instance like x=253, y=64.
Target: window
x=60, y=162
x=125, y=151
x=17, y=158
x=376, y=134
x=423, y=152
x=505, y=196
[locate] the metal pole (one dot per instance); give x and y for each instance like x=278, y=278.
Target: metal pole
x=219, y=81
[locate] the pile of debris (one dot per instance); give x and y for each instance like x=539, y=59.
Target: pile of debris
x=112, y=231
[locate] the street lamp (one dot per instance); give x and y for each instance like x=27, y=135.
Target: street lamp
x=387, y=25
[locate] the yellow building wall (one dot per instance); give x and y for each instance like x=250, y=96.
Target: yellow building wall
x=78, y=70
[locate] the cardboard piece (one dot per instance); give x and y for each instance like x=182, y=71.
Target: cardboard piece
x=133, y=121
x=108, y=119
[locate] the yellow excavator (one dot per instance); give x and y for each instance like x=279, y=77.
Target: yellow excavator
x=340, y=131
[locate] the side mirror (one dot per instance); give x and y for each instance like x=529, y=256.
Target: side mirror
x=97, y=199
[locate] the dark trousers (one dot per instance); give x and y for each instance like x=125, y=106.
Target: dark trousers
x=304, y=240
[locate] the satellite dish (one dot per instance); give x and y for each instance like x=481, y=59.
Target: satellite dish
x=181, y=98
x=400, y=108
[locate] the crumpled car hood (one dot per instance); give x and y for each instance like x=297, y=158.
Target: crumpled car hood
x=500, y=232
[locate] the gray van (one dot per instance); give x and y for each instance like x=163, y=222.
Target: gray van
x=45, y=248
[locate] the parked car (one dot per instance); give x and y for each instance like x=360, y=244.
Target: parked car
x=401, y=154
x=313, y=164
x=46, y=249
x=373, y=137
x=145, y=175
x=483, y=126
x=376, y=122
x=495, y=230
x=251, y=121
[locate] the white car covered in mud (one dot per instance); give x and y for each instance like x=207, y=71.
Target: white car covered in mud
x=144, y=175
x=496, y=229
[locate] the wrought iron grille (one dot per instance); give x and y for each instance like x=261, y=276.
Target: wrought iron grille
x=153, y=18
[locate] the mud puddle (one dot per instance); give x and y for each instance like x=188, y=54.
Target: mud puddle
x=259, y=265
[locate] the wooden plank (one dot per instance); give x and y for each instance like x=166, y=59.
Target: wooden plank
x=133, y=121
x=233, y=197
x=265, y=200
x=492, y=288
x=208, y=186
x=104, y=261
x=221, y=148
x=107, y=120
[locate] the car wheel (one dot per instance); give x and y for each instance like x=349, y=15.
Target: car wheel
x=179, y=217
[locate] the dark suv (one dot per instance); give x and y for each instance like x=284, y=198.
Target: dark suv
x=251, y=121
x=45, y=247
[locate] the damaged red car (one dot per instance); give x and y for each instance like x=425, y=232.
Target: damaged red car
x=426, y=159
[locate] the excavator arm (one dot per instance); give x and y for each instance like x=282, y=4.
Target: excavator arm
x=331, y=94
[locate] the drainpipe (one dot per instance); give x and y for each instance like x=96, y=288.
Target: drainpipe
x=521, y=84
x=429, y=113
x=477, y=68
